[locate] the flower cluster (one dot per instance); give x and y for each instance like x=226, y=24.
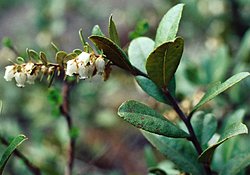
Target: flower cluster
x=85, y=65
x=22, y=73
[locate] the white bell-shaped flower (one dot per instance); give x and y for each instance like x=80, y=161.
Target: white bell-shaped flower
x=100, y=65
x=20, y=78
x=86, y=71
x=29, y=67
x=9, y=72
x=31, y=78
x=72, y=67
x=83, y=71
x=84, y=57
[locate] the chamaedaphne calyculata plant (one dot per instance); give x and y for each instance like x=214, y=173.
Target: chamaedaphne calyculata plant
x=189, y=142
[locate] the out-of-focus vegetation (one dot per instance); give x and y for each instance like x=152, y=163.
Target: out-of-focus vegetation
x=217, y=45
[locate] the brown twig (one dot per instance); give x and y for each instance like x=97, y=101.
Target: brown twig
x=34, y=169
x=65, y=112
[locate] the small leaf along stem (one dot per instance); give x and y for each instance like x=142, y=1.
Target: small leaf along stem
x=187, y=122
x=65, y=112
x=33, y=168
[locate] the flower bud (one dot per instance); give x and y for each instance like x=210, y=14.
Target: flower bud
x=9, y=72
x=100, y=65
x=20, y=78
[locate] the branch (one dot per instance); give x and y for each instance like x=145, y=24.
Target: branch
x=187, y=122
x=64, y=108
x=34, y=169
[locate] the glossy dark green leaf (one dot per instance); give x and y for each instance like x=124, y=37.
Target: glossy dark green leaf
x=97, y=31
x=9, y=150
x=60, y=57
x=169, y=25
x=236, y=164
x=204, y=126
x=153, y=90
x=163, y=61
x=231, y=131
x=138, y=52
x=113, y=34
x=179, y=151
x=219, y=88
x=112, y=51
x=142, y=116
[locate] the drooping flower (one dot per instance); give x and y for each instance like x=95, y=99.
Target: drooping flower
x=9, y=72
x=86, y=71
x=31, y=78
x=100, y=65
x=20, y=78
x=72, y=67
x=83, y=57
x=29, y=67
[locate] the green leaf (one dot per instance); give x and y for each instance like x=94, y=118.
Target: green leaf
x=9, y=150
x=113, y=34
x=236, y=164
x=43, y=58
x=112, y=51
x=54, y=46
x=33, y=54
x=236, y=116
x=163, y=62
x=20, y=60
x=179, y=151
x=219, y=88
x=141, y=28
x=244, y=50
x=60, y=57
x=169, y=24
x=153, y=90
x=1, y=106
x=149, y=155
x=204, y=126
x=7, y=42
x=77, y=51
x=142, y=116
x=97, y=31
x=138, y=52
x=231, y=131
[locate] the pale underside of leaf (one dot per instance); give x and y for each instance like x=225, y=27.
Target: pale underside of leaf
x=219, y=88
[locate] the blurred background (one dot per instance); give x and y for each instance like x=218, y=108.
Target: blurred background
x=217, y=45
